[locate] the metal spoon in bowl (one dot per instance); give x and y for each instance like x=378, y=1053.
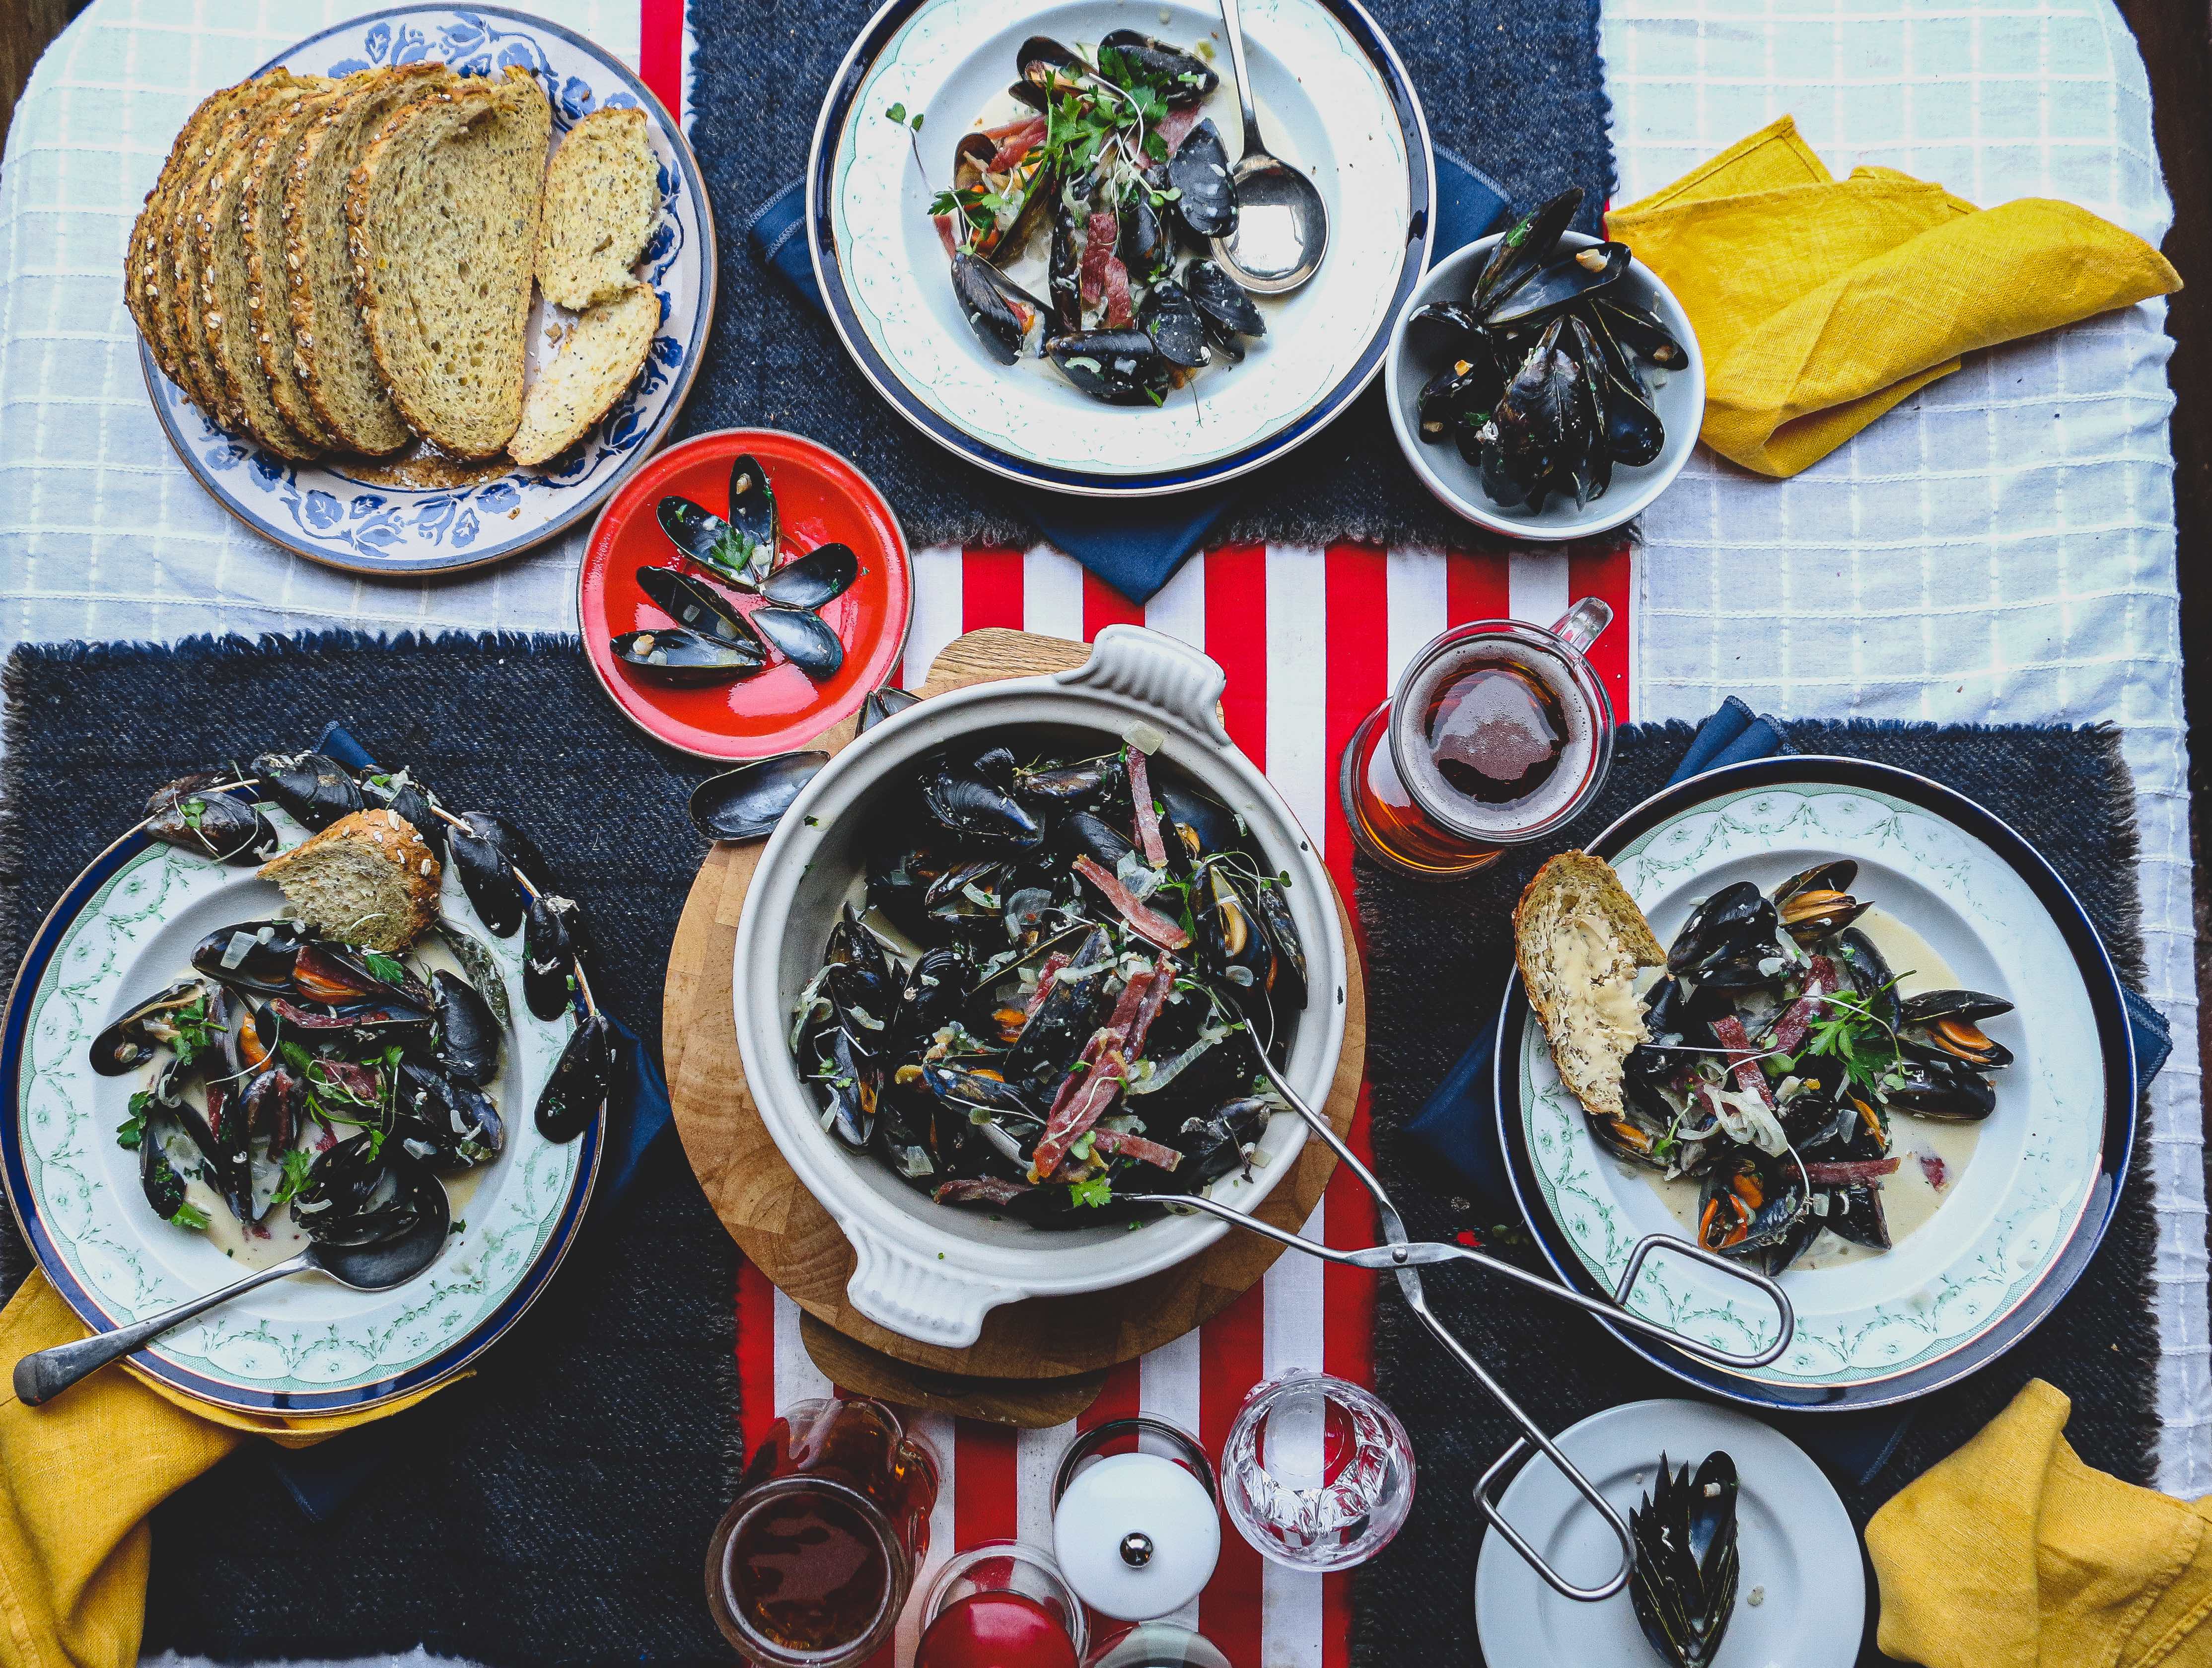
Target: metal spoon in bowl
x=1282, y=225
x=377, y=1268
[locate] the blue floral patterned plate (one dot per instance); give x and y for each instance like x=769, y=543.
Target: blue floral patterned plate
x=379, y=516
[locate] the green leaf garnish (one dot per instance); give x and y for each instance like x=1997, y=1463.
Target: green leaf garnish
x=1096, y=1191
x=189, y=1216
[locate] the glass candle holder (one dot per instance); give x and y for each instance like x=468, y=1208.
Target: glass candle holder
x=1316, y=1473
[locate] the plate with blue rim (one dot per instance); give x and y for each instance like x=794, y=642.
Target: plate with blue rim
x=417, y=513
x=1334, y=100
x=124, y=929
x=2019, y=1220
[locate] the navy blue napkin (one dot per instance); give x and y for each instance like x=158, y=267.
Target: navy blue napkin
x=323, y=1478
x=1134, y=547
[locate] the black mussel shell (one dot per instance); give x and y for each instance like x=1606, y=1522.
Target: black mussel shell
x=162, y=1182
x=133, y=1039
x=467, y=1036
x=444, y=1120
x=314, y=790
x=883, y=703
x=753, y=514
x=822, y=574
x=1869, y=974
x=1972, y=1006
x=1683, y=1583
x=699, y=608
x=1062, y=1023
x=410, y=803
x=747, y=803
x=1643, y=332
x=228, y=829
x=225, y=1141
x=673, y=655
x=550, y=947
x=1729, y=940
x=1181, y=79
x=1855, y=1211
x=968, y=802
x=1046, y=65
x=1218, y=1143
x=576, y=1093
x=1200, y=171
x=1942, y=1088
x=1536, y=427
x=803, y=638
x=1119, y=367
x=274, y=1104
x=1063, y=270
x=485, y=856
x=1142, y=241
x=708, y=539
x=1229, y=310
x=364, y=1192
x=1525, y=245
x=1449, y=320
x=1834, y=875
x=1177, y=328
x=1590, y=461
x=934, y=990
x=1466, y=387
x=1003, y=315
x=1086, y=834
x=1560, y=281
x=1083, y=782
x=254, y=955
x=1749, y=1202
x=336, y=974
x=1202, y=825
x=1634, y=434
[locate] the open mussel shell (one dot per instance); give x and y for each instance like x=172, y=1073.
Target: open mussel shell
x=552, y=942
x=1750, y=1201
x=1228, y=306
x=1560, y=281
x=1451, y=322
x=968, y=801
x=1177, y=328
x=1972, y=1006
x=364, y=1192
x=466, y=1038
x=1834, y=875
x=1640, y=331
x=673, y=655
x=1526, y=244
x=747, y=803
x=162, y=1182
x=1118, y=367
x=222, y=826
x=706, y=538
x=883, y=703
x=1683, y=1576
x=1142, y=241
x=822, y=574
x=803, y=638
x=1004, y=316
x=1049, y=67
x=133, y=1039
x=698, y=607
x=753, y=514
x=1198, y=172
x=443, y=1120
x=254, y=955
x=576, y=1091
x=1946, y=1023
x=1183, y=79
x=314, y=790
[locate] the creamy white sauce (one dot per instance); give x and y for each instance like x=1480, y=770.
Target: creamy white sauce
x=1909, y=1198
x=277, y=1236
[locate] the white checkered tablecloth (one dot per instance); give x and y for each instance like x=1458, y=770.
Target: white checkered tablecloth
x=2001, y=548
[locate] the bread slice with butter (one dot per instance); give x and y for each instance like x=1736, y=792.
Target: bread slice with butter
x=442, y=222
x=1580, y=939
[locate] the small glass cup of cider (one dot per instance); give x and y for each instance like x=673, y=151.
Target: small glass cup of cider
x=1498, y=733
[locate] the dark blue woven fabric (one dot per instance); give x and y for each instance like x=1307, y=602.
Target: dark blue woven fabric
x=1513, y=86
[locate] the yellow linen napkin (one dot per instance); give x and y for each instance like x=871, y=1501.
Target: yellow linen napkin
x=78, y=1477
x=1819, y=303
x=2014, y=1554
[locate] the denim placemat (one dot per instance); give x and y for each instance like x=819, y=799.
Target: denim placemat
x=1437, y=959
x=554, y=1508
x=1513, y=86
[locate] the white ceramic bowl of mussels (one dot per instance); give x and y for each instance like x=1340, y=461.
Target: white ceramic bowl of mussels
x=929, y=1271
x=1420, y=349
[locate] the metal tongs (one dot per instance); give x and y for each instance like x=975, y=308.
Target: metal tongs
x=1406, y=1258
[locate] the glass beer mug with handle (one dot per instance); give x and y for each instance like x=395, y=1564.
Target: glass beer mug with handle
x=1498, y=733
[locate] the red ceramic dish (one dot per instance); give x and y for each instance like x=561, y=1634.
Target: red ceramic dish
x=820, y=499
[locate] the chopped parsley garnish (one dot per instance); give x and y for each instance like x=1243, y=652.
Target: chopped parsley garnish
x=132, y=1130
x=190, y=1215
x=1096, y=1191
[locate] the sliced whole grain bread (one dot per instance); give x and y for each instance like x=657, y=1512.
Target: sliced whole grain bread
x=146, y=270
x=261, y=226
x=1579, y=939
x=604, y=351
x=602, y=202
x=329, y=344
x=227, y=316
x=442, y=214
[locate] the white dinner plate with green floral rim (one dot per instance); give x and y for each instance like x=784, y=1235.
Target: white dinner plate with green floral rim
x=2017, y=1225
x=125, y=929
x=1334, y=100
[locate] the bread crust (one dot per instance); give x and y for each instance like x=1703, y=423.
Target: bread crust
x=1591, y=880
x=569, y=396
x=390, y=838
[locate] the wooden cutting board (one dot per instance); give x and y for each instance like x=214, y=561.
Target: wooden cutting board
x=793, y=1241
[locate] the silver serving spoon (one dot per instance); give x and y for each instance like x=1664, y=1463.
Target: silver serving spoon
x=1282, y=225
x=46, y=1374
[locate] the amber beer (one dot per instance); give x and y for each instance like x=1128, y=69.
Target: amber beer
x=1498, y=733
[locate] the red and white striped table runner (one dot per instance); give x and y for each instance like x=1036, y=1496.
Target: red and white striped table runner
x=1311, y=640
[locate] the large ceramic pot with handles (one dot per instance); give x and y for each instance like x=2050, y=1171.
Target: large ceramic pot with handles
x=932, y=1272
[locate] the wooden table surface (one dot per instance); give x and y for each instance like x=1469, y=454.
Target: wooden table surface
x=2176, y=37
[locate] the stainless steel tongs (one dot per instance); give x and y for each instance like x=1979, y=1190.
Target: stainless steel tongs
x=1406, y=1257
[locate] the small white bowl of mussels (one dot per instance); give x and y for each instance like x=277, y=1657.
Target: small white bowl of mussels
x=1549, y=393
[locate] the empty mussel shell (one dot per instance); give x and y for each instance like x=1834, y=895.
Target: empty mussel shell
x=673, y=655
x=1643, y=332
x=822, y=574
x=882, y=704
x=550, y=947
x=1176, y=326
x=182, y=813
x=747, y=803
x=803, y=639
x=1559, y=283
x=1526, y=245
x=576, y=1093
x=707, y=539
x=698, y=607
x=466, y=1038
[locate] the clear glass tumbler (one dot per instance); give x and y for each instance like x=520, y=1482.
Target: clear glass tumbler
x=1317, y=1474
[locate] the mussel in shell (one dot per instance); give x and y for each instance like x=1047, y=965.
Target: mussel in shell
x=1938, y=1086
x=366, y=1191
x=151, y=1026
x=1729, y=939
x=1177, y=328
x=465, y=1038
x=315, y=791
x=1206, y=202
x=550, y=944
x=821, y=575
x=1228, y=308
x=1749, y=1201
x=576, y=1091
x=1683, y=1583
x=709, y=541
x=162, y=1182
x=222, y=826
x=1524, y=245
x=1144, y=243
x=671, y=654
x=254, y=955
x=1818, y=903
x=803, y=638
x=699, y=608
x=444, y=1120
x=1117, y=367
x=968, y=802
x=486, y=851
x=747, y=803
x=1005, y=318
x=1947, y=1022
x=1180, y=78
x=1559, y=283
